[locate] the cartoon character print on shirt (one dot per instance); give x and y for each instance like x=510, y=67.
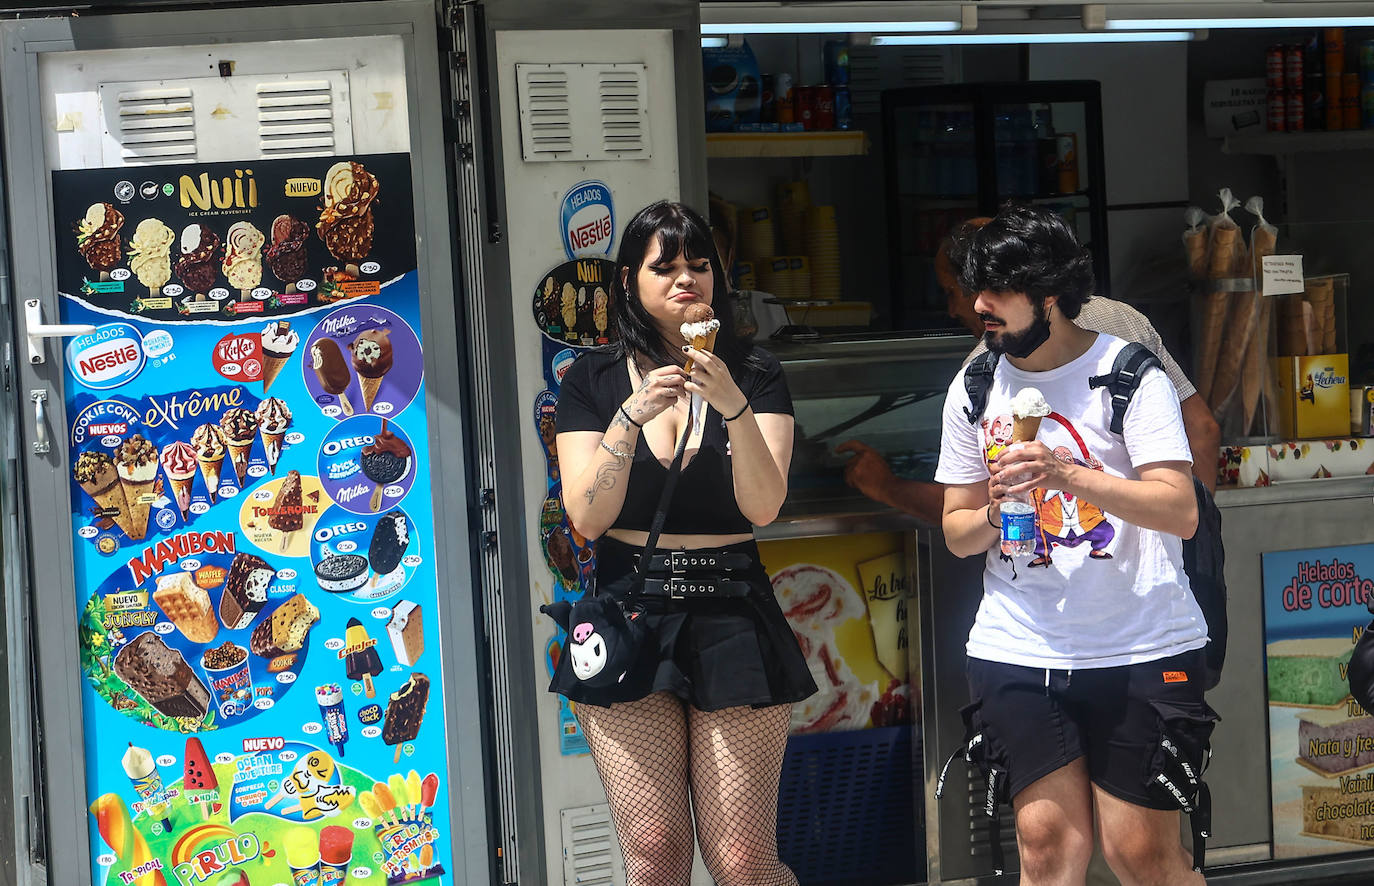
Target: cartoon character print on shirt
x=1062, y=519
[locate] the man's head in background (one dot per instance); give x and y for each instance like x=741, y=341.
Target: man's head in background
x=958, y=304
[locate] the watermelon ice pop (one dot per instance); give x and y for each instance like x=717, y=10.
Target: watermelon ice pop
x=200, y=775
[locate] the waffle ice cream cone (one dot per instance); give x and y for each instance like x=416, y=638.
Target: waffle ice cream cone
x=210, y=470
x=99, y=479
x=700, y=329
x=188, y=607
x=239, y=427
x=1028, y=407
x=369, y=386
x=238, y=454
x=137, y=464
x=1023, y=430
x=271, y=443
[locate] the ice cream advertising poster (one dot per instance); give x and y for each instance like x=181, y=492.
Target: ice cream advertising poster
x=1321, y=744
x=846, y=599
x=570, y=558
x=252, y=524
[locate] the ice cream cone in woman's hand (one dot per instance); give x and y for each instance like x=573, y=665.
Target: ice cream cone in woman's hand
x=699, y=330
x=1028, y=407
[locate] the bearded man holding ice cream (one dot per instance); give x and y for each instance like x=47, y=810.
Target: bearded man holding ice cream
x=1085, y=661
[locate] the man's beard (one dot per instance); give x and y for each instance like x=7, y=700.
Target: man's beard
x=1024, y=343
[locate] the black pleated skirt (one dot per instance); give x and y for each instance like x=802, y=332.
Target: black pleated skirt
x=714, y=653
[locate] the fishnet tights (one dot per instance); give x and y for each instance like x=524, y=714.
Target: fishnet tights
x=648, y=752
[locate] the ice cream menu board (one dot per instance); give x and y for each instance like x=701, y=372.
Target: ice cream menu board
x=1321, y=744
x=253, y=525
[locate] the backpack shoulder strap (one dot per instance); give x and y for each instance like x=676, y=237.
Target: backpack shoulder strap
x=977, y=381
x=1131, y=362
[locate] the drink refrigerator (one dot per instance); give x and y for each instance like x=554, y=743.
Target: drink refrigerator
x=237, y=351
x=962, y=150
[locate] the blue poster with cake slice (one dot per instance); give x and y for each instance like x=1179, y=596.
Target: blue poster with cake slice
x=253, y=524
x=1321, y=743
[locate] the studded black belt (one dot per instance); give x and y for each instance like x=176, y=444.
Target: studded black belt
x=688, y=562
x=694, y=588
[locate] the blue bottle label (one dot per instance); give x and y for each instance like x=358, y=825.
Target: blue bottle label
x=1018, y=527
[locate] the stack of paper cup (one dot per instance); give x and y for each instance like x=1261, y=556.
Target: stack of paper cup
x=786, y=276
x=794, y=198
x=823, y=248
x=757, y=237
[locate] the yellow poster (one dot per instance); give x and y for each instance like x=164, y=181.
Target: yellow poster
x=846, y=598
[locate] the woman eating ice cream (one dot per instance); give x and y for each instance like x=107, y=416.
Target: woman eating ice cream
x=709, y=698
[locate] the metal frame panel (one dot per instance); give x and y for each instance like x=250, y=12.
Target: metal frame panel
x=47, y=490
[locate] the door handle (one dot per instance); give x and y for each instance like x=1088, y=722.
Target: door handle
x=41, y=444
x=37, y=330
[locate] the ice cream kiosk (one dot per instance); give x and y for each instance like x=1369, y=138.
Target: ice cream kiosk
x=237, y=611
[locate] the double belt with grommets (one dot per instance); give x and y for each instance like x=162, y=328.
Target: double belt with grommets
x=696, y=575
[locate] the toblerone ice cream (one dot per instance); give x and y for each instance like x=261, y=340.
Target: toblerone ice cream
x=1028, y=407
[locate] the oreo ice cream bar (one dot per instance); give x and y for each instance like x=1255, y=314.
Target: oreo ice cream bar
x=245, y=591
x=389, y=542
x=339, y=573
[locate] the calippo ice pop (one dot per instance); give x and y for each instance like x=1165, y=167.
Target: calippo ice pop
x=336, y=851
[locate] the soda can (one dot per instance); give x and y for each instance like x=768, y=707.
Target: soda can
x=836, y=62
x=804, y=101
x=1292, y=67
x=1066, y=153
x=1273, y=67
x=825, y=107
x=1276, y=108
x=1333, y=45
x=768, y=100
x=844, y=109
x=1334, y=120
x=782, y=96
x=1293, y=118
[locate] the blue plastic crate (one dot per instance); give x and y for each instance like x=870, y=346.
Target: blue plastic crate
x=847, y=808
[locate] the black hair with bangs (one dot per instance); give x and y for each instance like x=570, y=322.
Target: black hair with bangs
x=678, y=230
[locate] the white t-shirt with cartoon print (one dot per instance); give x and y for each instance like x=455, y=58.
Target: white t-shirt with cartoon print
x=1099, y=592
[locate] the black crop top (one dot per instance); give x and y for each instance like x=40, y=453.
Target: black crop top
x=704, y=501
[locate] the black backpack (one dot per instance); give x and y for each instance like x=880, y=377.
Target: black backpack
x=1204, y=559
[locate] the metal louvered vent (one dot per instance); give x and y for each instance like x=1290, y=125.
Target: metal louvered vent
x=623, y=117
x=296, y=118
x=545, y=112
x=579, y=112
x=925, y=67
x=591, y=856
x=865, y=80
x=155, y=125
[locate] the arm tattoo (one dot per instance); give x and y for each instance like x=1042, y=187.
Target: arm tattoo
x=605, y=475
x=620, y=421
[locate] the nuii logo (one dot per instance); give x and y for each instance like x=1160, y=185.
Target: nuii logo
x=106, y=358
x=588, y=219
x=1326, y=377
x=238, y=192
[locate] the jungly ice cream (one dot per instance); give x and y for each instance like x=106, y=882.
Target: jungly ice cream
x=150, y=254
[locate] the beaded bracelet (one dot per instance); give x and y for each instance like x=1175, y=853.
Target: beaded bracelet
x=741, y=411
x=628, y=419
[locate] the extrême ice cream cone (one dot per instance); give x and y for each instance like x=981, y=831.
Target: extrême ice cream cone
x=238, y=453
x=271, y=444
x=210, y=470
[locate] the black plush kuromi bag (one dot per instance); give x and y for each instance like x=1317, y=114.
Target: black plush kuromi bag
x=1360, y=671
x=606, y=635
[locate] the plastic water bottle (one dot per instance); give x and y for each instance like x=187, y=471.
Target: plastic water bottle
x=1018, y=526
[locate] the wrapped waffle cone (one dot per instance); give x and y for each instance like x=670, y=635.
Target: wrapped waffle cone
x=1226, y=254
x=369, y=386
x=1257, y=377
x=210, y=469
x=140, y=498
x=238, y=454
x=271, y=368
x=1024, y=428
x=109, y=496
x=1235, y=345
x=1320, y=293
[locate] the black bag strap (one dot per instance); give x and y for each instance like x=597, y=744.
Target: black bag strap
x=1131, y=362
x=977, y=381
x=666, y=496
